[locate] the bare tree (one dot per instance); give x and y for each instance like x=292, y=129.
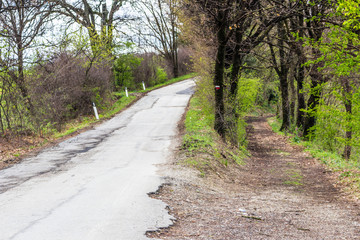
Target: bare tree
x=21, y=22
x=95, y=16
x=159, y=28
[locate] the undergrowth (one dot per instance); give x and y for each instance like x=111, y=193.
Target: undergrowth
x=205, y=150
x=347, y=171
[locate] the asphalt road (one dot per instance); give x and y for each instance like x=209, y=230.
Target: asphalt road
x=95, y=185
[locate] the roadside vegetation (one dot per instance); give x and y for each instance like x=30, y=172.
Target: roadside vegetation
x=204, y=148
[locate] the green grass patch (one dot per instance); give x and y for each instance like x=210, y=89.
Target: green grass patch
x=199, y=133
x=204, y=149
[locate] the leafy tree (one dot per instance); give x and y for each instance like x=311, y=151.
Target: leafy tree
x=124, y=66
x=340, y=50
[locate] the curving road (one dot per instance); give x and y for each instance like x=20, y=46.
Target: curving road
x=95, y=185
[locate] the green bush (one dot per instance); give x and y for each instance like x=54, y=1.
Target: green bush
x=248, y=91
x=124, y=67
x=161, y=75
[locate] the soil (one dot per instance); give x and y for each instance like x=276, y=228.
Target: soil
x=280, y=193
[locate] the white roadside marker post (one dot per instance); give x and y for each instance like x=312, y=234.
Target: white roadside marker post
x=143, y=86
x=126, y=92
x=96, y=112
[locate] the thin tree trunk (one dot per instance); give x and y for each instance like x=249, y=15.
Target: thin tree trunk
x=300, y=95
x=282, y=71
x=347, y=92
x=219, y=76
x=235, y=72
x=316, y=84
x=293, y=94
x=285, y=102
x=348, y=134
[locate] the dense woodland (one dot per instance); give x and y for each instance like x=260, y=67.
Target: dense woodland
x=298, y=58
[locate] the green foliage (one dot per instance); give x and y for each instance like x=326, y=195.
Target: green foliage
x=248, y=91
x=340, y=59
x=160, y=76
x=333, y=121
x=350, y=9
x=124, y=66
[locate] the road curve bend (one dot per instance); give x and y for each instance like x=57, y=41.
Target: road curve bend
x=94, y=186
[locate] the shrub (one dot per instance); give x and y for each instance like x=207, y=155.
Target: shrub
x=124, y=68
x=160, y=77
x=65, y=88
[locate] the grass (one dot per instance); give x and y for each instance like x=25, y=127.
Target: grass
x=348, y=172
x=204, y=149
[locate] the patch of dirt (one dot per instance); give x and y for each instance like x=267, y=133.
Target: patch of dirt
x=12, y=147
x=281, y=193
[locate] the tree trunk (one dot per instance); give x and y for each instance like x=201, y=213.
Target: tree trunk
x=316, y=83
x=300, y=72
x=175, y=50
x=313, y=102
x=348, y=134
x=347, y=92
x=300, y=95
x=236, y=65
x=219, y=76
x=20, y=79
x=293, y=93
x=285, y=102
x=283, y=77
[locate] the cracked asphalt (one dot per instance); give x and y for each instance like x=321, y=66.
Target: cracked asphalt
x=95, y=185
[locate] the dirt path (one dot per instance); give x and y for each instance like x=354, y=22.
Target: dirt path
x=281, y=193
